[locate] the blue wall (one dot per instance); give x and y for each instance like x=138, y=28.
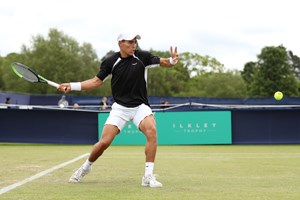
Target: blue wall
x=249, y=126
x=268, y=126
x=48, y=126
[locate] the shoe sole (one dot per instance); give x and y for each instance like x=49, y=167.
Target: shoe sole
x=152, y=186
x=73, y=181
x=155, y=186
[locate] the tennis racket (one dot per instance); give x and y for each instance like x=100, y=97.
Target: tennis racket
x=28, y=74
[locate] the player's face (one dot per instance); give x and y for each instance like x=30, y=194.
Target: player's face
x=127, y=47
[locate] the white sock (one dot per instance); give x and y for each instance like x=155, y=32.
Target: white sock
x=87, y=164
x=149, y=166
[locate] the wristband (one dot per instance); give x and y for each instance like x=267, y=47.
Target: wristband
x=172, y=62
x=75, y=86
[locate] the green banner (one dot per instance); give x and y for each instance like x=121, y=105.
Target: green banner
x=205, y=127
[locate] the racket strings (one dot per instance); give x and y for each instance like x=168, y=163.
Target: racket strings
x=25, y=73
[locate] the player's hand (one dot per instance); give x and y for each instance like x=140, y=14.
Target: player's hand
x=64, y=87
x=174, y=54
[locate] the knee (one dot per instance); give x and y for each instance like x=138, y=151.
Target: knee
x=102, y=144
x=150, y=133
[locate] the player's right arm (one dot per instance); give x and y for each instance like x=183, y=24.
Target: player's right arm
x=89, y=84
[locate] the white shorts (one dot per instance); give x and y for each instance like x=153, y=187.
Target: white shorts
x=120, y=115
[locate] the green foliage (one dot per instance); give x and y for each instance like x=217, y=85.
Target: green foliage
x=225, y=85
x=58, y=58
x=207, y=78
x=295, y=60
x=194, y=75
x=249, y=71
x=2, y=86
x=271, y=73
x=166, y=81
x=10, y=81
x=61, y=58
x=198, y=65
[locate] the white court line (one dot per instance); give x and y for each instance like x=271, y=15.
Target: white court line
x=38, y=175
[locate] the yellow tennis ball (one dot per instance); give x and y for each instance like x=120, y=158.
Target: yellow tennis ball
x=278, y=95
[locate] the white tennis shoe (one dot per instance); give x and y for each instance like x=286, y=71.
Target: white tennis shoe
x=150, y=181
x=79, y=174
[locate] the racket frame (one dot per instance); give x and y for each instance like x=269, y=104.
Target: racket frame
x=40, y=78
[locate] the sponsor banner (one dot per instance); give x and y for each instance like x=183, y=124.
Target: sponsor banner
x=204, y=127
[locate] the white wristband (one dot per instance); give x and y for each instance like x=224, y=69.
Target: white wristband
x=172, y=62
x=75, y=86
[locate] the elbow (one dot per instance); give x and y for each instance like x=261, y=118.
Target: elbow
x=97, y=82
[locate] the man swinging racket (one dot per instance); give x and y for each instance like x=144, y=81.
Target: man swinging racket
x=129, y=90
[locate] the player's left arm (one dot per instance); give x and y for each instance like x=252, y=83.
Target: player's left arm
x=170, y=62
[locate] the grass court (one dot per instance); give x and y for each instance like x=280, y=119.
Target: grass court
x=187, y=172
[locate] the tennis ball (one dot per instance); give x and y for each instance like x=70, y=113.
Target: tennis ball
x=278, y=95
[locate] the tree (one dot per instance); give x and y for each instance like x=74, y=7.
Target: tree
x=295, y=61
x=271, y=73
x=10, y=81
x=167, y=82
x=59, y=58
x=197, y=64
x=176, y=81
x=218, y=85
x=207, y=78
x=2, y=86
x=248, y=73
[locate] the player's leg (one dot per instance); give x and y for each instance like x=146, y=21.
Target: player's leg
x=148, y=127
x=116, y=120
x=108, y=134
x=145, y=120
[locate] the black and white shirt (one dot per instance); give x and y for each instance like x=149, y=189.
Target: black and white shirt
x=128, y=83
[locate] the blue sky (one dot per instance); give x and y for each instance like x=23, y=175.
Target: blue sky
x=232, y=31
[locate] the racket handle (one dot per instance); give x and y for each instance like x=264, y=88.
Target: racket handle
x=53, y=84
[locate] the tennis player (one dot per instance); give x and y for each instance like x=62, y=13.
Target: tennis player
x=129, y=90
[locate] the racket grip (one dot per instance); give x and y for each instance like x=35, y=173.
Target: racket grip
x=53, y=84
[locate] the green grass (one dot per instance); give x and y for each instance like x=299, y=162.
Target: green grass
x=187, y=172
